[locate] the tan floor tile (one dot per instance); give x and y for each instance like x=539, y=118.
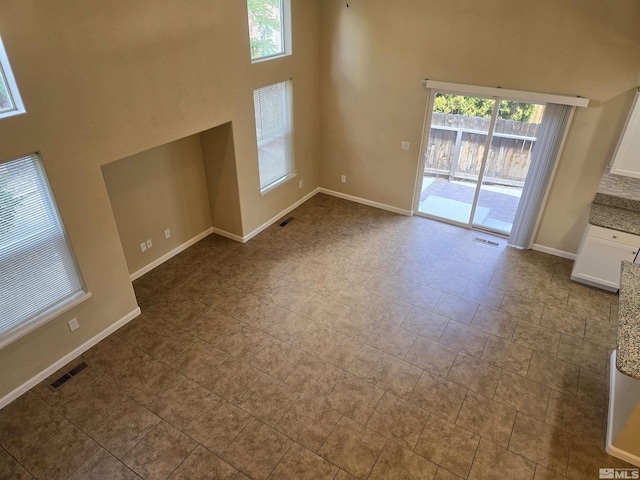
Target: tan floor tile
x=354, y=398
x=397, y=462
x=474, y=374
x=342, y=475
x=491, y=459
x=507, y=355
x=357, y=324
x=124, y=427
x=199, y=360
x=585, y=462
x=510, y=282
x=61, y=454
x=465, y=339
x=487, y=418
x=540, y=443
x=438, y=395
x=318, y=340
x=244, y=343
x=214, y=326
x=420, y=295
x=398, y=420
x=354, y=357
x=448, y=445
x=313, y=376
x=546, y=474
x=390, y=310
x=562, y=321
x=256, y=450
x=394, y=340
x=386, y=284
x=425, y=323
x=277, y=359
x=554, y=373
x=583, y=420
x=394, y=375
x=11, y=469
x=291, y=297
x=522, y=307
x=591, y=306
x=549, y=294
x=431, y=356
x=494, y=322
x=443, y=474
x=159, y=452
x=537, y=338
x=300, y=463
x=323, y=310
x=101, y=465
x=601, y=333
x=203, y=465
x=268, y=399
x=593, y=389
x=415, y=271
x=583, y=354
x=475, y=271
x=285, y=325
x=353, y=448
x=232, y=379
x=217, y=424
x=523, y=395
x=456, y=308
x=484, y=295
x=308, y=422
x=448, y=283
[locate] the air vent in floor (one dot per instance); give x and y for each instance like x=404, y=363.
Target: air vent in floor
x=491, y=243
x=290, y=219
x=69, y=375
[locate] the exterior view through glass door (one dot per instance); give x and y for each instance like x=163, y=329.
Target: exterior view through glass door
x=476, y=158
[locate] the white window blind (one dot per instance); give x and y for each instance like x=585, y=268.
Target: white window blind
x=38, y=274
x=273, y=131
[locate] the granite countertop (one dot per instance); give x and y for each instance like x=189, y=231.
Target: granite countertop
x=628, y=356
x=615, y=213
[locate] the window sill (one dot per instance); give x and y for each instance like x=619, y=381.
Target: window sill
x=12, y=113
x=20, y=331
x=277, y=183
x=270, y=57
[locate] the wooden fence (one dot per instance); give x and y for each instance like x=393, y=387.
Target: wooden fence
x=457, y=143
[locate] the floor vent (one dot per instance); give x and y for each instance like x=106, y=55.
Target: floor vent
x=290, y=219
x=69, y=375
x=491, y=243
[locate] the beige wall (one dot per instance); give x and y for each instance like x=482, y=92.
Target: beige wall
x=102, y=81
x=376, y=52
x=161, y=188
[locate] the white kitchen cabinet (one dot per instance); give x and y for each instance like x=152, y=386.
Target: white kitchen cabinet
x=599, y=256
x=626, y=159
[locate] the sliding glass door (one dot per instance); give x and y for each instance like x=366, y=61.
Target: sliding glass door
x=476, y=158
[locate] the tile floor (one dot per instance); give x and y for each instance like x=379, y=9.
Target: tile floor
x=350, y=343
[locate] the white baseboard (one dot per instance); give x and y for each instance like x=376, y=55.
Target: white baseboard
x=172, y=253
x=273, y=219
x=364, y=201
x=553, y=251
x=29, y=384
x=225, y=234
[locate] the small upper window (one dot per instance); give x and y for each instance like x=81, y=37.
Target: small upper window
x=10, y=101
x=269, y=28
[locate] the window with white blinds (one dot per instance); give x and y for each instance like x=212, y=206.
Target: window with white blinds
x=38, y=274
x=273, y=130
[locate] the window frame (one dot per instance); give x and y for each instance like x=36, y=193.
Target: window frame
x=285, y=34
x=9, y=81
x=291, y=171
x=67, y=301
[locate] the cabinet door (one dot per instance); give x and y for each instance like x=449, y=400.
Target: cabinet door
x=598, y=261
x=626, y=159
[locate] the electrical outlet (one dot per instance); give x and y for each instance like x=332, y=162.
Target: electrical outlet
x=299, y=183
x=167, y=233
x=73, y=324
x=620, y=183
x=404, y=146
x=143, y=246
x=343, y=178
x=149, y=244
